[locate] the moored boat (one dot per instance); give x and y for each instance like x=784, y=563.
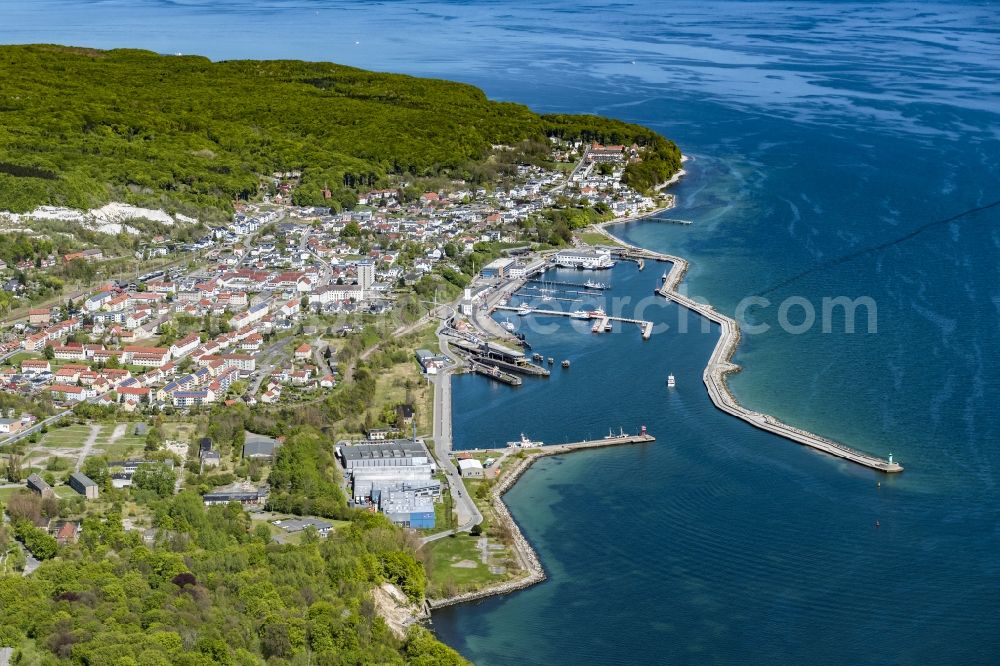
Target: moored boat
x=526, y=443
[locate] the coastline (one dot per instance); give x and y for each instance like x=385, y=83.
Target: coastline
x=524, y=551
x=714, y=376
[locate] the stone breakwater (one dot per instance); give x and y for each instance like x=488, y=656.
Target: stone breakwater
x=523, y=551
x=720, y=365
x=525, y=554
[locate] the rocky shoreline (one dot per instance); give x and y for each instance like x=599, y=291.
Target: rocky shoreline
x=526, y=555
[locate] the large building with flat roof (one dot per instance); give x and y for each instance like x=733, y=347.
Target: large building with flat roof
x=387, y=453
x=584, y=258
x=498, y=268
x=406, y=508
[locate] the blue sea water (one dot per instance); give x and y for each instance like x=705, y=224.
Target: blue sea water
x=822, y=134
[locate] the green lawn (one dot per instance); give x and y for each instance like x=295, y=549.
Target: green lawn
x=66, y=438
x=65, y=492
x=447, y=579
x=594, y=238
x=74, y=436
x=5, y=493
x=126, y=446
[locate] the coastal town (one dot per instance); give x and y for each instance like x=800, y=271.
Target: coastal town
x=116, y=388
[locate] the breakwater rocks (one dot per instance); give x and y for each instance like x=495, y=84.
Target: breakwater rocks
x=523, y=551
x=525, y=554
x=720, y=364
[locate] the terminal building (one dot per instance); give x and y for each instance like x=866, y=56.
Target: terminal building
x=584, y=258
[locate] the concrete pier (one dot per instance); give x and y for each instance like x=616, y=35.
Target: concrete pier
x=720, y=365
x=645, y=326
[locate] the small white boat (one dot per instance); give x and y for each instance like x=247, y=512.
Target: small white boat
x=671, y=382
x=599, y=312
x=523, y=310
x=580, y=314
x=508, y=326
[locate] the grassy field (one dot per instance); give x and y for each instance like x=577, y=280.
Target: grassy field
x=179, y=430
x=391, y=390
x=72, y=438
x=5, y=493
x=128, y=445
x=594, y=238
x=470, y=573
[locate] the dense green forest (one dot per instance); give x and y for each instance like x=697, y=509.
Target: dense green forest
x=212, y=587
x=80, y=127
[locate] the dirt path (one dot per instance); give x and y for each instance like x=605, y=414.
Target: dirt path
x=95, y=430
x=118, y=433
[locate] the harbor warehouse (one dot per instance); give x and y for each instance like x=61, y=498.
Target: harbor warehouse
x=388, y=453
x=583, y=258
x=471, y=468
x=498, y=268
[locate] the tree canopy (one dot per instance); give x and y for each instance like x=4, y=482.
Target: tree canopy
x=80, y=127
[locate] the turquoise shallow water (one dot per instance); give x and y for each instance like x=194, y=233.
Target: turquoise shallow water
x=817, y=130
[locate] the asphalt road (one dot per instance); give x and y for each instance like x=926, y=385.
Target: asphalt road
x=465, y=507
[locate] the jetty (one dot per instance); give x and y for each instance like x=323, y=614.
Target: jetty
x=645, y=326
x=597, y=287
x=526, y=556
x=549, y=292
x=720, y=365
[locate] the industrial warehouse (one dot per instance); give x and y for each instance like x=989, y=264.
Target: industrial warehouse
x=395, y=477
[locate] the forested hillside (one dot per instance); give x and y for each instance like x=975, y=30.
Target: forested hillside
x=80, y=127
x=209, y=586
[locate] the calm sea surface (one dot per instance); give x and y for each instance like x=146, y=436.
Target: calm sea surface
x=822, y=136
